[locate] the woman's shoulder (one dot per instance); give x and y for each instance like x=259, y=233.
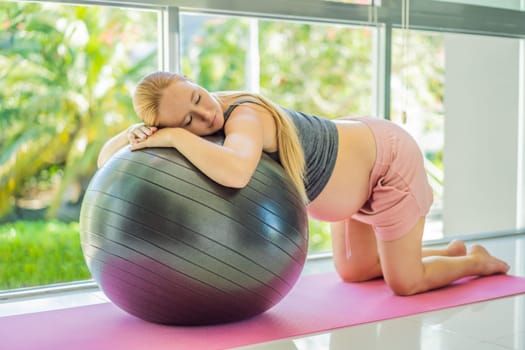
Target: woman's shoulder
x=245, y=102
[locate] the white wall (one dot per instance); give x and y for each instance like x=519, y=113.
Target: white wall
x=507, y=4
x=521, y=146
x=482, y=121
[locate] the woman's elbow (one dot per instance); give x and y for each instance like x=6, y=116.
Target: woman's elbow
x=235, y=178
x=102, y=159
x=100, y=162
x=235, y=182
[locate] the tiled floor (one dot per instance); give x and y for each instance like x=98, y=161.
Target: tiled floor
x=494, y=325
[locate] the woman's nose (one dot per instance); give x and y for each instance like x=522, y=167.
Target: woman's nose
x=203, y=113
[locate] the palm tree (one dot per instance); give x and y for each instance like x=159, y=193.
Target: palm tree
x=65, y=87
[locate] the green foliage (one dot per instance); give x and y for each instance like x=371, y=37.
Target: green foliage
x=65, y=89
x=39, y=253
x=319, y=69
x=320, y=239
x=216, y=54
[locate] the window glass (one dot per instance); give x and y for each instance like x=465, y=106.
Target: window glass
x=67, y=73
x=458, y=95
x=417, y=88
x=214, y=51
x=322, y=69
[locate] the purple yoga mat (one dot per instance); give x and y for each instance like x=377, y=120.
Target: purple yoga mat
x=317, y=303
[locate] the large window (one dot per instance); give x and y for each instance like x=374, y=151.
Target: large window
x=454, y=80
x=67, y=73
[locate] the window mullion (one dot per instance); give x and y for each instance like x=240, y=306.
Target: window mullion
x=169, y=43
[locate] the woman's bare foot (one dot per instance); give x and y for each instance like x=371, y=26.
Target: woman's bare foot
x=456, y=248
x=489, y=265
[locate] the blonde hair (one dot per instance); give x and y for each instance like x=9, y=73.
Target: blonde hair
x=146, y=101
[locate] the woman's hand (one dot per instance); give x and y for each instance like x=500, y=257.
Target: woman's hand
x=139, y=132
x=157, y=138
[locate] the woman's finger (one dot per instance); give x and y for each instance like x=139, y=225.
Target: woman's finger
x=144, y=132
x=140, y=133
x=132, y=138
x=136, y=146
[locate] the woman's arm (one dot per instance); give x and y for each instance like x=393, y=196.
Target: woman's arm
x=231, y=164
x=111, y=147
x=135, y=133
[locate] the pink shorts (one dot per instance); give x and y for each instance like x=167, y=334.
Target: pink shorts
x=399, y=192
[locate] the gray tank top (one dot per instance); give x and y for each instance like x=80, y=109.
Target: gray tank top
x=319, y=140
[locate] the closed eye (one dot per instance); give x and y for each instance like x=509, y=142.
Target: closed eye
x=188, y=121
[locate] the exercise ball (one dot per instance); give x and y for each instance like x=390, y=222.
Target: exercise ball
x=168, y=245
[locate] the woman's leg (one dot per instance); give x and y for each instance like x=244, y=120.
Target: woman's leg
x=407, y=271
x=356, y=255
x=355, y=251
x=454, y=248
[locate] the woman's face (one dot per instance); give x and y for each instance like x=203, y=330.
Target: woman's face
x=189, y=106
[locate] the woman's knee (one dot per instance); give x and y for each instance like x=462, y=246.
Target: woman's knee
x=403, y=268
x=358, y=272
x=404, y=285
x=405, y=281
